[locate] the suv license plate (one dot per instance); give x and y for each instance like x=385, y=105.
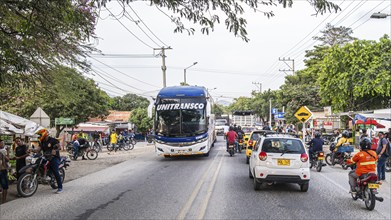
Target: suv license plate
x=320, y=158
x=373, y=185
x=282, y=162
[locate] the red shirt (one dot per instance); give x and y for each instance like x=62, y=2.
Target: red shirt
x=231, y=136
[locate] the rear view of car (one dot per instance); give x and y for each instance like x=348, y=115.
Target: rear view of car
x=279, y=159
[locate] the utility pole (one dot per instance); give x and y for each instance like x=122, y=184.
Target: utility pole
x=291, y=68
x=164, y=68
x=260, y=86
x=270, y=114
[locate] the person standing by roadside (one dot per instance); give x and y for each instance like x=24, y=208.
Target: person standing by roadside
x=113, y=138
x=4, y=159
x=383, y=156
x=20, y=155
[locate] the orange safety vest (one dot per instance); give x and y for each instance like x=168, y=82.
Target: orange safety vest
x=365, y=161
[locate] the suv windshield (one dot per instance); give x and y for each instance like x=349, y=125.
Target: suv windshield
x=283, y=145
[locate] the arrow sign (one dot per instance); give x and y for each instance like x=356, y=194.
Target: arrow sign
x=303, y=114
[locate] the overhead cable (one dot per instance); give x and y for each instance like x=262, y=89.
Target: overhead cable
x=129, y=30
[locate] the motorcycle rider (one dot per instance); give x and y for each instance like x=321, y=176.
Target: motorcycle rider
x=341, y=141
x=240, y=133
x=316, y=144
x=231, y=137
x=51, y=149
x=365, y=161
x=76, y=145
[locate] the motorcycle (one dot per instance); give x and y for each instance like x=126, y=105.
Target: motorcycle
x=240, y=145
x=342, y=156
x=388, y=164
x=367, y=189
x=91, y=153
x=317, y=160
x=231, y=149
x=36, y=172
x=121, y=145
x=150, y=138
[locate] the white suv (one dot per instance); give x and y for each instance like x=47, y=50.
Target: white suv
x=279, y=158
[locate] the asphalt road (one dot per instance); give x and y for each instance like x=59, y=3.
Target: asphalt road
x=214, y=187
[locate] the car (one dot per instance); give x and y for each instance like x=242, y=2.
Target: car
x=252, y=140
x=278, y=158
x=247, y=132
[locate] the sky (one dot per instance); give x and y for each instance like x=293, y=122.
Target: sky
x=226, y=65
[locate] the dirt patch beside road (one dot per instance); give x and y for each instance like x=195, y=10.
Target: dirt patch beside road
x=80, y=168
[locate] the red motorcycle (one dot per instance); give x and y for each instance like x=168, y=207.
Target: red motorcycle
x=367, y=186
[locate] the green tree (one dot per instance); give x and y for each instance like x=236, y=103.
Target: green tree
x=299, y=90
x=260, y=103
x=335, y=35
x=241, y=103
x=128, y=102
x=68, y=94
x=139, y=117
x=37, y=36
x=207, y=13
x=357, y=75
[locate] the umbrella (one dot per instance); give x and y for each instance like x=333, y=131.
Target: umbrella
x=370, y=122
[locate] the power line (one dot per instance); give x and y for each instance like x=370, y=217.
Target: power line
x=123, y=73
x=351, y=12
x=124, y=55
x=370, y=18
x=128, y=29
x=126, y=14
x=116, y=79
x=146, y=26
x=367, y=13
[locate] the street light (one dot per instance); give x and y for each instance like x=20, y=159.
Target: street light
x=184, y=71
x=380, y=15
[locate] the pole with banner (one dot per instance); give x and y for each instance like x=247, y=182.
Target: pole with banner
x=303, y=114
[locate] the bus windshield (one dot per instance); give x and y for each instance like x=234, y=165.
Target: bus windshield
x=181, y=117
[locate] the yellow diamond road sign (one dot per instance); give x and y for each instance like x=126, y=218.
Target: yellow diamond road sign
x=303, y=114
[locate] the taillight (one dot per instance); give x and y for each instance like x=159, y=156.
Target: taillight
x=303, y=157
x=262, y=156
x=321, y=154
x=250, y=143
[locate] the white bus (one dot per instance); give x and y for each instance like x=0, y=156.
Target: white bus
x=184, y=123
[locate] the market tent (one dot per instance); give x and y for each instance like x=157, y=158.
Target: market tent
x=369, y=122
x=13, y=124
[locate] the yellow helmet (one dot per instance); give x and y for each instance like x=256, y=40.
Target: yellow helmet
x=42, y=134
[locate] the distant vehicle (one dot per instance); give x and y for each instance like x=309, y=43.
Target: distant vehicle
x=221, y=126
x=252, y=140
x=184, y=124
x=243, y=118
x=278, y=158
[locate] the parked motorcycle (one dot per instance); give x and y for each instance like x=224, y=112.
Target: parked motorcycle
x=342, y=156
x=317, y=160
x=37, y=171
x=121, y=145
x=231, y=149
x=367, y=189
x=86, y=149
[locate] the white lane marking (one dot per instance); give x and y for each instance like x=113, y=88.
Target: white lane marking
x=205, y=203
x=185, y=209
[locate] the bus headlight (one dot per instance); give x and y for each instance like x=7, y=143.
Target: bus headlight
x=202, y=140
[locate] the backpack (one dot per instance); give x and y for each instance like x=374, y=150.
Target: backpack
x=240, y=135
x=388, y=147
